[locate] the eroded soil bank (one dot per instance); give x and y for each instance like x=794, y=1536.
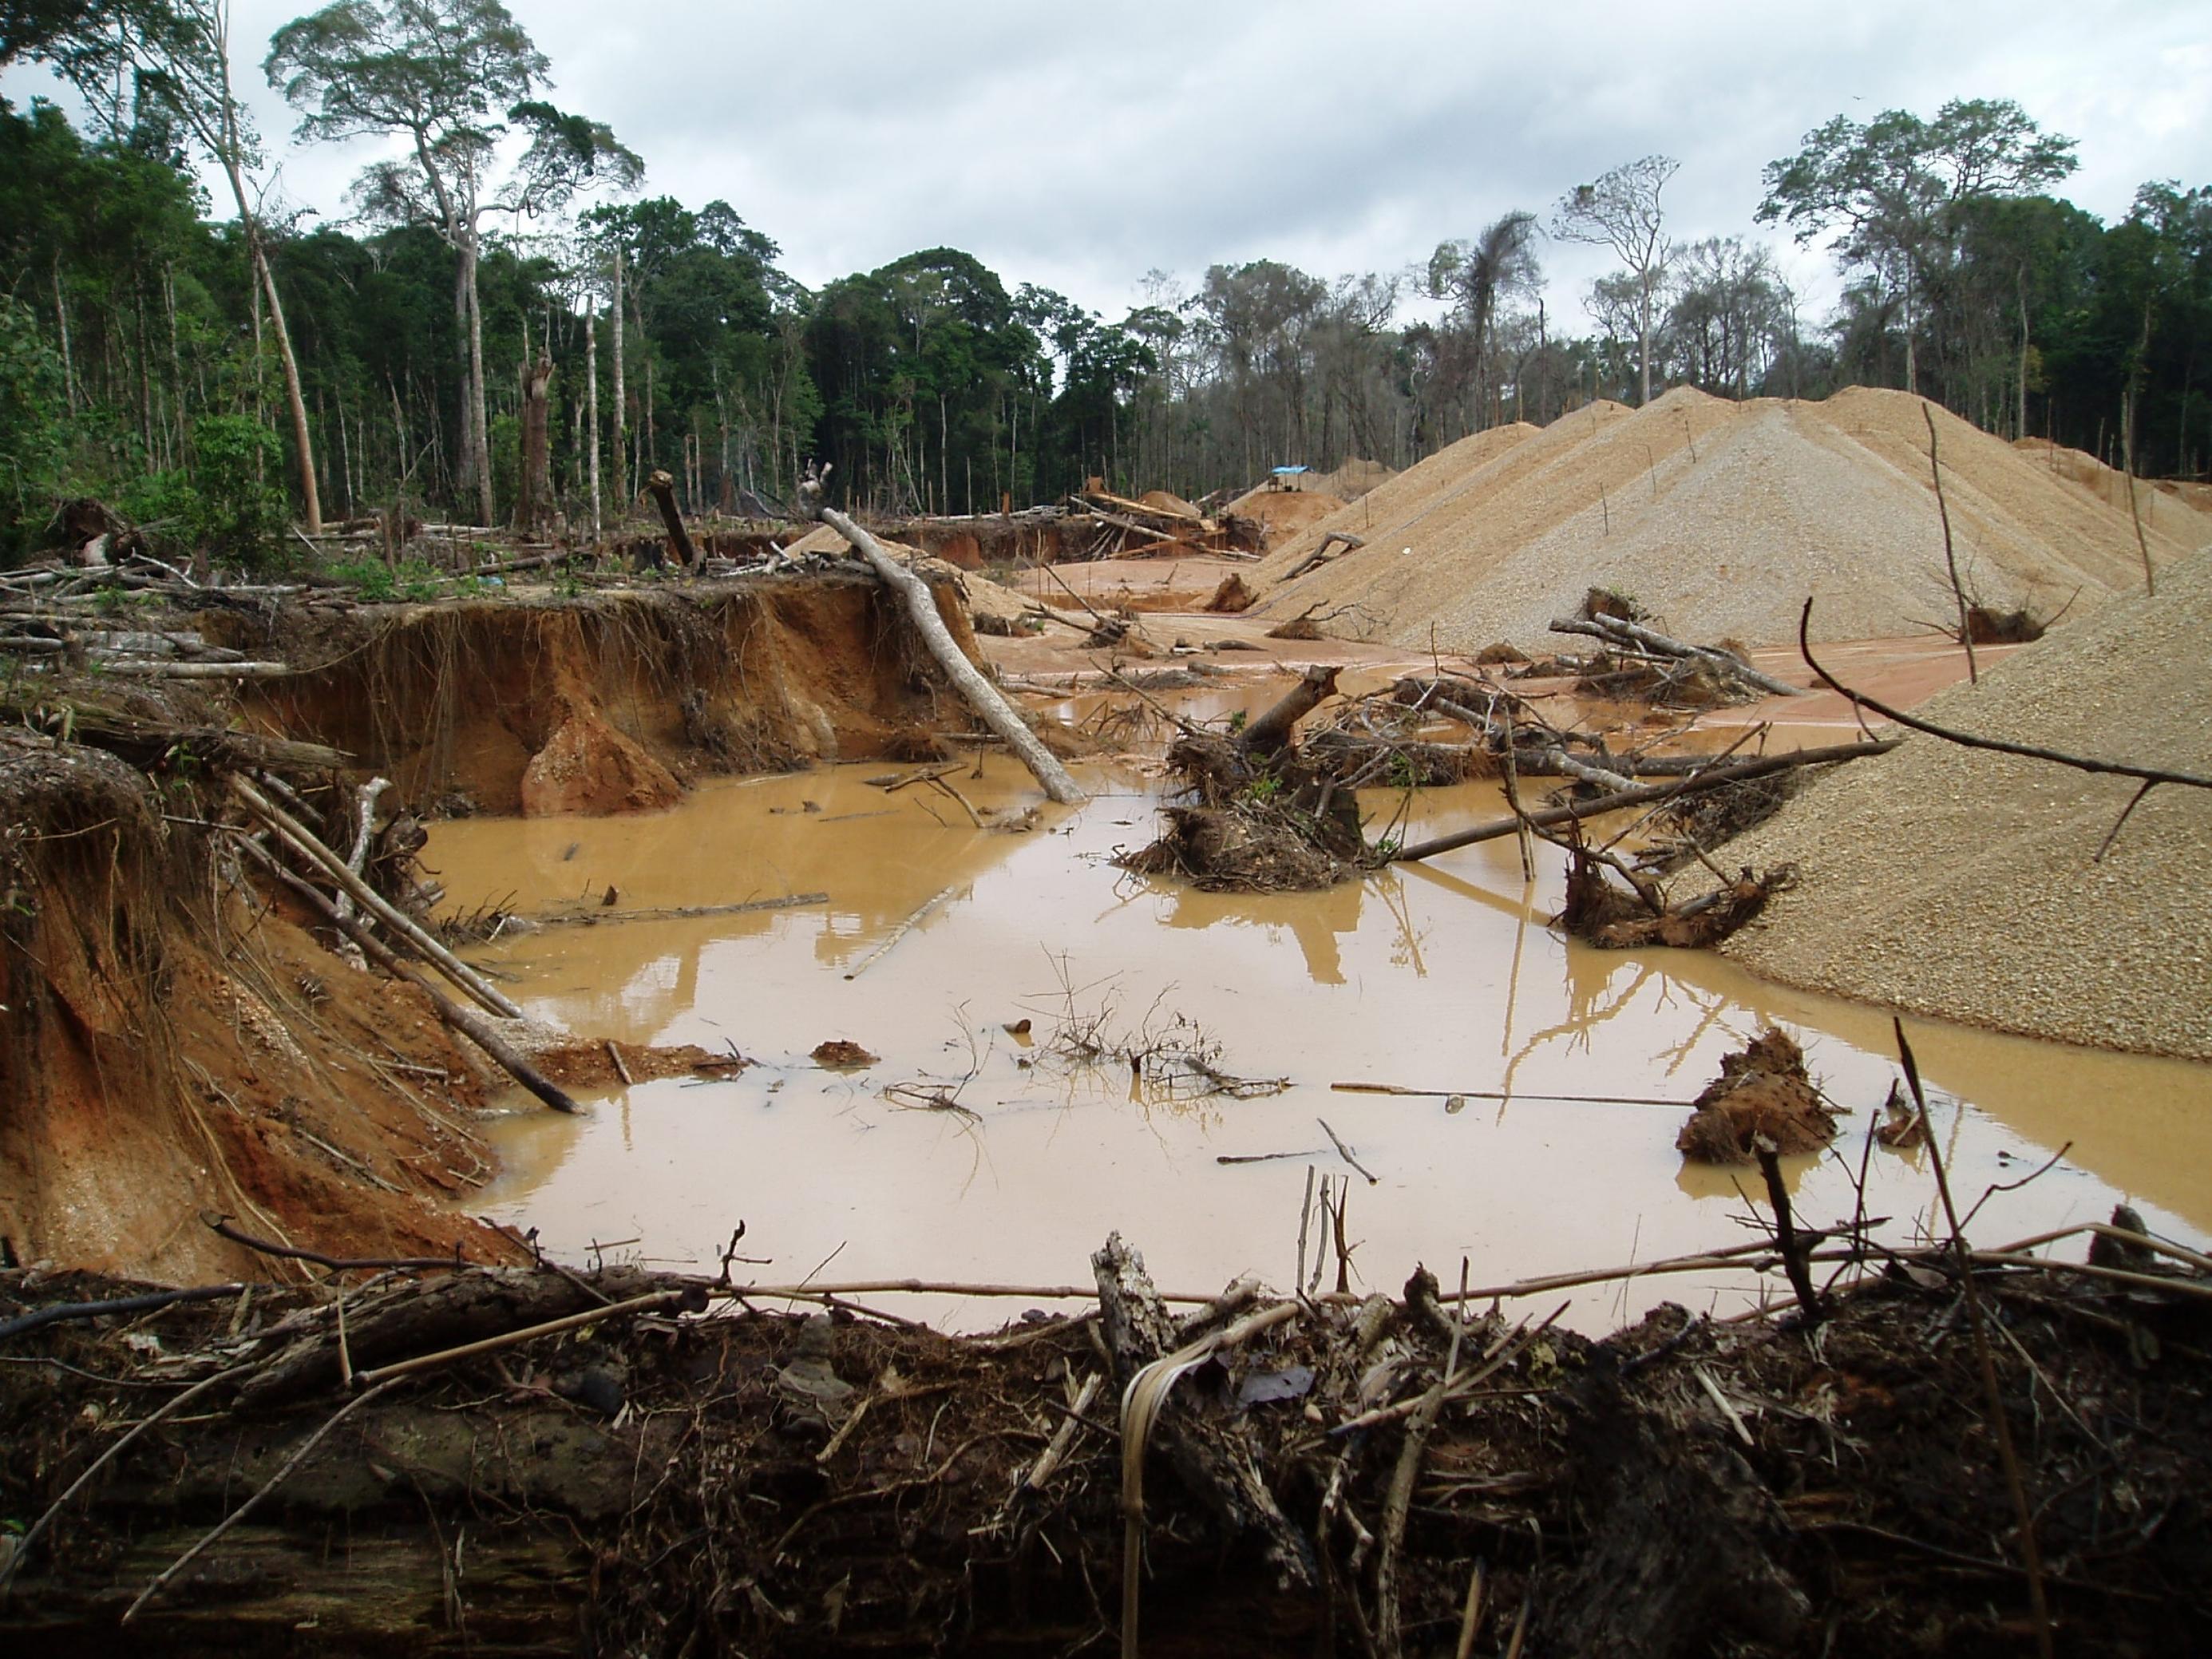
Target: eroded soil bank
x=176, y=1042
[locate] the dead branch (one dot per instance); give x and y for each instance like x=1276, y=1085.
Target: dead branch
x=1717, y=778
x=922, y=606
x=1950, y=553
x=2148, y=775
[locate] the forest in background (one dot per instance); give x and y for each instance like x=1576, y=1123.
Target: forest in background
x=197, y=362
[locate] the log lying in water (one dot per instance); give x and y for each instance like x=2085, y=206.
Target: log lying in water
x=921, y=605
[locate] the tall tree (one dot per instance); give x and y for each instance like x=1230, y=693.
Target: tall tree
x=1621, y=210
x=1477, y=276
x=437, y=75
x=1895, y=187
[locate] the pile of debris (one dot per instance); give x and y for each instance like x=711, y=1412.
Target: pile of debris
x=1258, y=815
x=644, y=1462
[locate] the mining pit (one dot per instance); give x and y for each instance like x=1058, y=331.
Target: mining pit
x=859, y=1024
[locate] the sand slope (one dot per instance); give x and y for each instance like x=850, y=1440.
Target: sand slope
x=1720, y=517
x=1964, y=885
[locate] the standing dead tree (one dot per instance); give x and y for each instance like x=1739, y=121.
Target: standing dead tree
x=922, y=606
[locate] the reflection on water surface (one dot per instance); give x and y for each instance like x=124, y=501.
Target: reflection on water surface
x=1439, y=978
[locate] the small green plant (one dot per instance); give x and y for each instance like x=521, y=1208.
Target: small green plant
x=1263, y=791
x=1237, y=719
x=418, y=583
x=370, y=577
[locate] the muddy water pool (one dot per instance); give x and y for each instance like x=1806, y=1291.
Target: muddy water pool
x=1439, y=978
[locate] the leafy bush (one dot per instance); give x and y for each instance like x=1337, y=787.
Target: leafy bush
x=34, y=432
x=242, y=512
x=228, y=504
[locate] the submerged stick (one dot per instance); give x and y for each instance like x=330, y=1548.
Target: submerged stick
x=1345, y=1151
x=903, y=928
x=1506, y=1095
x=922, y=606
x=680, y=911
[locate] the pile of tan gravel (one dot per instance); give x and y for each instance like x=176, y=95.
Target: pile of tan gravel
x=1965, y=885
x=1720, y=519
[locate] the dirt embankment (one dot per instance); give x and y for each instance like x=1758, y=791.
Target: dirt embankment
x=609, y=703
x=1977, y=887
x=172, y=1043
x=168, y=1049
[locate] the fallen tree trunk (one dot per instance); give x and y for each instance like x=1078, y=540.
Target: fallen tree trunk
x=1268, y=733
x=1718, y=777
x=308, y=845
x=921, y=605
x=1615, y=630
x=471, y=1025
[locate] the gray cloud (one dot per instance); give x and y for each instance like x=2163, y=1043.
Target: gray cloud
x=1080, y=148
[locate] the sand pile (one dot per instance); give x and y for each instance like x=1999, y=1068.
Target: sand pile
x=1284, y=512
x=2156, y=498
x=1719, y=519
x=1963, y=885
x=1354, y=479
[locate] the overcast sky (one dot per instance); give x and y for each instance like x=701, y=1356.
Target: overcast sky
x=1081, y=147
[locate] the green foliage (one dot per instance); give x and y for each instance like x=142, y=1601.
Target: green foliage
x=379, y=583
x=35, y=430
x=242, y=510
x=372, y=579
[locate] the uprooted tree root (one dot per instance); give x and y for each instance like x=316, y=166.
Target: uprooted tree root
x=654, y=1479
x=1763, y=1092
x=1258, y=815
x=1601, y=912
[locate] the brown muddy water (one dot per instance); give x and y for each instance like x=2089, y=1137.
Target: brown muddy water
x=1440, y=978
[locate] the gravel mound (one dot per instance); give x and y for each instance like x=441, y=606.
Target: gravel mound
x=1720, y=519
x=1965, y=885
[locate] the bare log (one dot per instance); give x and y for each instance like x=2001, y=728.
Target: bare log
x=1272, y=730
x=1615, y=630
x=1717, y=778
x=305, y=842
x=471, y=1025
x=921, y=605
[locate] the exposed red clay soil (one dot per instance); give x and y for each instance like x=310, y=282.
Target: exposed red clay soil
x=539, y=705
x=166, y=1052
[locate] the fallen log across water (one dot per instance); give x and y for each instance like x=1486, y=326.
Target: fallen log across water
x=922, y=606
x=1715, y=778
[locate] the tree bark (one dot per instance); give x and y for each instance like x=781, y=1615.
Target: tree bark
x=311, y=502
x=1272, y=729
x=476, y=384
x=922, y=606
x=621, y=491
x=592, y=409
x=664, y=495
x=536, y=457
